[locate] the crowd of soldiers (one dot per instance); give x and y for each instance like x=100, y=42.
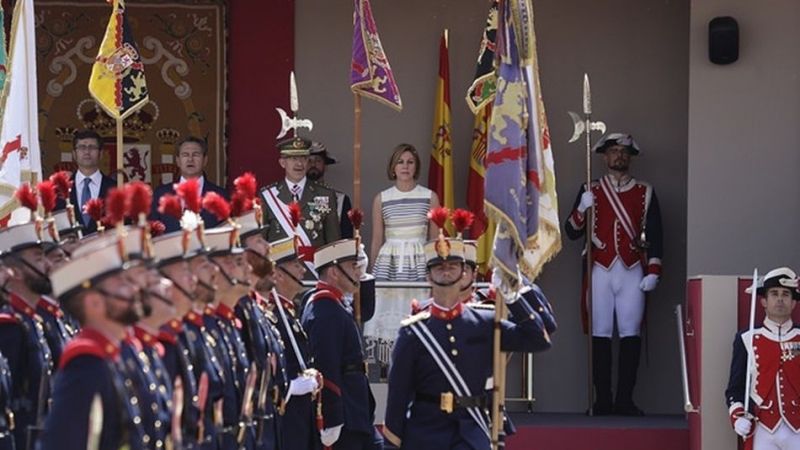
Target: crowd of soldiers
x=119, y=335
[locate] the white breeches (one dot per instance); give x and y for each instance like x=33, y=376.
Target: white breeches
x=616, y=293
x=782, y=439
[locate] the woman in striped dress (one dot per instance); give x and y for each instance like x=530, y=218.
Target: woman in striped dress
x=400, y=225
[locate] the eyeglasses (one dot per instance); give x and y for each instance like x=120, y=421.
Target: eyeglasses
x=86, y=147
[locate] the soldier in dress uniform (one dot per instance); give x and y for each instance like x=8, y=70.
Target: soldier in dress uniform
x=442, y=360
x=320, y=224
x=226, y=254
x=298, y=424
x=6, y=388
x=182, y=356
x=262, y=340
x=22, y=331
x=318, y=161
x=348, y=406
x=626, y=253
x=773, y=421
x=92, y=403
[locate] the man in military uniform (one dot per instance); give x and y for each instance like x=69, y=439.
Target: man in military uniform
x=318, y=161
x=773, y=421
x=182, y=356
x=92, y=403
x=626, y=254
x=442, y=360
x=298, y=422
x=22, y=332
x=238, y=427
x=319, y=224
x=348, y=406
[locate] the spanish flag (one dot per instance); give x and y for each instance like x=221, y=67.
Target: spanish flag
x=440, y=176
x=117, y=82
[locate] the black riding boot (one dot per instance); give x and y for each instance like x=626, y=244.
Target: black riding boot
x=601, y=375
x=629, y=351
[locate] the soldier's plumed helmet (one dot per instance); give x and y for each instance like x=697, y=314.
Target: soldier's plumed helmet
x=440, y=250
x=283, y=250
x=223, y=241
x=295, y=146
x=87, y=269
x=611, y=139
x=336, y=252
x=471, y=253
x=781, y=277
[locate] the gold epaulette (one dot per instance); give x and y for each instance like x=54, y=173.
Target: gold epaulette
x=415, y=318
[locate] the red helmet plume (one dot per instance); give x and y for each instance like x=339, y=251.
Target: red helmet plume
x=47, y=195
x=27, y=197
x=189, y=192
x=217, y=205
x=295, y=213
x=140, y=196
x=246, y=185
x=439, y=216
x=63, y=184
x=115, y=206
x=462, y=219
x=170, y=205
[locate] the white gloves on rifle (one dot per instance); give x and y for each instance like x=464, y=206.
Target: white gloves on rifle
x=363, y=258
x=587, y=200
x=743, y=426
x=302, y=385
x=329, y=436
x=649, y=282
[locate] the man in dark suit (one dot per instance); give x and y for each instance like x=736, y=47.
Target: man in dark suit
x=88, y=181
x=318, y=161
x=319, y=224
x=191, y=157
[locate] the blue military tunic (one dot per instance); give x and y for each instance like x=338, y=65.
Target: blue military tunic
x=6, y=415
x=414, y=419
x=224, y=327
x=23, y=343
x=91, y=366
x=205, y=364
x=155, y=404
x=265, y=349
x=58, y=329
x=298, y=425
x=178, y=357
x=336, y=346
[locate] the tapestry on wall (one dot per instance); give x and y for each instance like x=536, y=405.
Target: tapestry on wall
x=183, y=48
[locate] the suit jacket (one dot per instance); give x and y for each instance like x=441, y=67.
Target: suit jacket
x=173, y=224
x=320, y=232
x=106, y=184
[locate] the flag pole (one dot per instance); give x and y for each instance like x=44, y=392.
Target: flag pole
x=357, y=181
x=120, y=177
x=498, y=371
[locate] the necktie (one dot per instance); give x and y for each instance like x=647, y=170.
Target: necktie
x=86, y=195
x=296, y=192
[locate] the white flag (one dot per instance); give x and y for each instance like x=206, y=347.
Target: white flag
x=20, y=158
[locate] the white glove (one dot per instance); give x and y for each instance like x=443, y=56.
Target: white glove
x=587, y=200
x=329, y=436
x=649, y=282
x=302, y=385
x=363, y=258
x=742, y=426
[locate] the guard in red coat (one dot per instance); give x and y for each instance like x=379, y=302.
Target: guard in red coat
x=773, y=422
x=626, y=255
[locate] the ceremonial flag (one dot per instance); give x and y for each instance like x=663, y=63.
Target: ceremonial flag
x=440, y=175
x=117, y=82
x=20, y=159
x=370, y=73
x=520, y=176
x=482, y=228
x=481, y=91
x=3, y=56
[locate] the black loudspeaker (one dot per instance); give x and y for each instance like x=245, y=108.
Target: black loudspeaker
x=723, y=40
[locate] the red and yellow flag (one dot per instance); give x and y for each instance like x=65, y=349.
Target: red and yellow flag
x=482, y=228
x=117, y=82
x=440, y=176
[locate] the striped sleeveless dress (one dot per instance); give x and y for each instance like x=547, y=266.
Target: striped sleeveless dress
x=405, y=223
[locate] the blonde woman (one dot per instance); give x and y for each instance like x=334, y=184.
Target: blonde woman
x=400, y=225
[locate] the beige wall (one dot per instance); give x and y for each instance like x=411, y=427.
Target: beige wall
x=635, y=52
x=744, y=140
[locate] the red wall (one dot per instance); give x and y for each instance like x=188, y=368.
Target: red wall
x=260, y=56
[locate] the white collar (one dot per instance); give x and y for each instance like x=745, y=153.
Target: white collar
x=301, y=183
x=778, y=328
x=96, y=177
